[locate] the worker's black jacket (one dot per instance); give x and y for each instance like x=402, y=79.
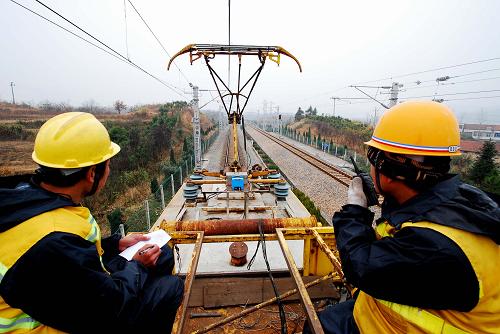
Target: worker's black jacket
x=418, y=266
x=60, y=281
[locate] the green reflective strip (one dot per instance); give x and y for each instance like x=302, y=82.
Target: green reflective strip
x=22, y=321
x=94, y=231
x=3, y=271
x=427, y=321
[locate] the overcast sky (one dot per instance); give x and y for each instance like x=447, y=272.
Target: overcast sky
x=339, y=43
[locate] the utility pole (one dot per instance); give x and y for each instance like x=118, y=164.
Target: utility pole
x=279, y=122
x=12, y=89
x=196, y=129
x=264, y=111
x=394, y=93
x=334, y=100
x=221, y=125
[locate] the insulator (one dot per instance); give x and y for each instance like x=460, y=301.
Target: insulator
x=281, y=190
x=190, y=191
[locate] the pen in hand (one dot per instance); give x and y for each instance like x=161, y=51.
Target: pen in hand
x=145, y=250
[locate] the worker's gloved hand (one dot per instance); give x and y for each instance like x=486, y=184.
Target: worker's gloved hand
x=355, y=194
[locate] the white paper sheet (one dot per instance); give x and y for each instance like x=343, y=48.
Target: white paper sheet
x=159, y=237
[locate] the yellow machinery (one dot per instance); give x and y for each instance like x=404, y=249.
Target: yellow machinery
x=269, y=212
x=319, y=260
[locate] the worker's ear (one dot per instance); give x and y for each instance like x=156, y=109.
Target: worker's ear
x=90, y=174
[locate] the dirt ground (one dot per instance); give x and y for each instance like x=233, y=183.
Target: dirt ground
x=265, y=321
x=15, y=158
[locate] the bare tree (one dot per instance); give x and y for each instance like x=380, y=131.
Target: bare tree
x=120, y=106
x=89, y=106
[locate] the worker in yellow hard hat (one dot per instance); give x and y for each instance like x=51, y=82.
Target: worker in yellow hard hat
x=56, y=274
x=432, y=263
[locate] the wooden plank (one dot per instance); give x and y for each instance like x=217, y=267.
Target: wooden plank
x=322, y=290
x=233, y=293
x=230, y=291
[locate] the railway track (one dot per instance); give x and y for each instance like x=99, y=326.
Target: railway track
x=228, y=156
x=336, y=173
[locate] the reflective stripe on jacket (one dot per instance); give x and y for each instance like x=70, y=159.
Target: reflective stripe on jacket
x=378, y=316
x=20, y=238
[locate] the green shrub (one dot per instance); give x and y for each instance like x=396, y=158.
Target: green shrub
x=309, y=205
x=115, y=218
x=15, y=132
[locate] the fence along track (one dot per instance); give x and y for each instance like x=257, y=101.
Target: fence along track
x=336, y=173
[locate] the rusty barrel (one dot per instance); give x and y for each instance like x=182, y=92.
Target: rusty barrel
x=245, y=226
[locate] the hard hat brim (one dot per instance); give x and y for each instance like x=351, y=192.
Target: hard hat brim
x=411, y=149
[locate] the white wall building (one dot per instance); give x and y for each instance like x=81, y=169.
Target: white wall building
x=480, y=131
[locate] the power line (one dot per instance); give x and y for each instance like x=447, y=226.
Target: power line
x=126, y=27
x=451, y=83
x=461, y=93
x=164, y=49
x=475, y=98
x=69, y=31
x=171, y=87
x=479, y=72
x=459, y=82
x=431, y=70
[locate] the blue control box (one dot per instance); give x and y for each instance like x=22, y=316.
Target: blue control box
x=237, y=183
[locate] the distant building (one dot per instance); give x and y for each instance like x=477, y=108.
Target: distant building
x=480, y=131
x=475, y=146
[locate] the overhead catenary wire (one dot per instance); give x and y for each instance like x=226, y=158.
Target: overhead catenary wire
x=451, y=83
x=474, y=98
x=447, y=94
x=431, y=70
x=171, y=87
x=159, y=42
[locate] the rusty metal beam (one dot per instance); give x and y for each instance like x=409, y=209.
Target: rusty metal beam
x=180, y=316
x=312, y=317
x=324, y=247
x=180, y=239
x=264, y=304
x=257, y=173
x=239, y=209
x=333, y=259
x=189, y=237
x=266, y=181
x=245, y=226
x=207, y=181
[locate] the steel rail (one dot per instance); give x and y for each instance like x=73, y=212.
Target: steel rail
x=336, y=173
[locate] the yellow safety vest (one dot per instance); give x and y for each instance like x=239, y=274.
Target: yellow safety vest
x=379, y=316
x=19, y=239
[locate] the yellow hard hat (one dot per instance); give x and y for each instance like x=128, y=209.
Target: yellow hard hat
x=73, y=140
x=418, y=128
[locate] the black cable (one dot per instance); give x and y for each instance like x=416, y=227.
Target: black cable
x=249, y=265
x=278, y=299
x=113, y=50
x=147, y=25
